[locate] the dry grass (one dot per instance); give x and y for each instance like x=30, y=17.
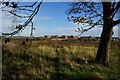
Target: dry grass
x=53, y=60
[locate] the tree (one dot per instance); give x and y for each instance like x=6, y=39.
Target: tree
x=93, y=14
x=25, y=13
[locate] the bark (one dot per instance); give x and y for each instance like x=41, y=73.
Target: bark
x=103, y=50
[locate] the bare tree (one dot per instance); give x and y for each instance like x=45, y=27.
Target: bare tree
x=25, y=12
x=93, y=14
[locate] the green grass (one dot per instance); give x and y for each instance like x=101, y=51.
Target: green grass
x=56, y=60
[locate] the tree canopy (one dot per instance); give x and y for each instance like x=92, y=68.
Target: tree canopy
x=90, y=14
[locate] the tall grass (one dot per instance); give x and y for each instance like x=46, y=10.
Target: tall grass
x=48, y=61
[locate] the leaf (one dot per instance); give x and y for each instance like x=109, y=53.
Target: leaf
x=88, y=10
x=74, y=21
x=68, y=18
x=7, y=3
x=72, y=16
x=80, y=8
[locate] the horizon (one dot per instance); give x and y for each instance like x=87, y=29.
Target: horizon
x=56, y=35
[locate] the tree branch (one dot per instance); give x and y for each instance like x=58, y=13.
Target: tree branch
x=92, y=10
x=116, y=22
x=116, y=8
x=11, y=12
x=23, y=26
x=113, y=5
x=29, y=5
x=85, y=30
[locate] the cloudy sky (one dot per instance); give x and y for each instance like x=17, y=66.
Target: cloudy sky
x=52, y=20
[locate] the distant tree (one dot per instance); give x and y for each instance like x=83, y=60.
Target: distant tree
x=93, y=14
x=25, y=13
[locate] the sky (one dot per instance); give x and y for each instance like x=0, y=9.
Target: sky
x=52, y=20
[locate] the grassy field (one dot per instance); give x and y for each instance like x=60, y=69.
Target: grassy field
x=57, y=60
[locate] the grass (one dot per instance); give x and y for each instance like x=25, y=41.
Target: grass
x=56, y=60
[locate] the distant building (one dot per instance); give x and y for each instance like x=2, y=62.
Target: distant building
x=115, y=39
x=63, y=36
x=47, y=36
x=55, y=36
x=70, y=37
x=89, y=38
x=76, y=37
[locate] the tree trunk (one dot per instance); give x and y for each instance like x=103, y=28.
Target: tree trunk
x=103, y=50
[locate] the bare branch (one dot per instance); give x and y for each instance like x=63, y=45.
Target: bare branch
x=116, y=22
x=23, y=26
x=93, y=10
x=11, y=12
x=29, y=5
x=116, y=8
x=25, y=9
x=85, y=30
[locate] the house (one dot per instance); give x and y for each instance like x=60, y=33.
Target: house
x=47, y=36
x=55, y=36
x=63, y=36
x=115, y=39
x=70, y=37
x=76, y=37
x=73, y=37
